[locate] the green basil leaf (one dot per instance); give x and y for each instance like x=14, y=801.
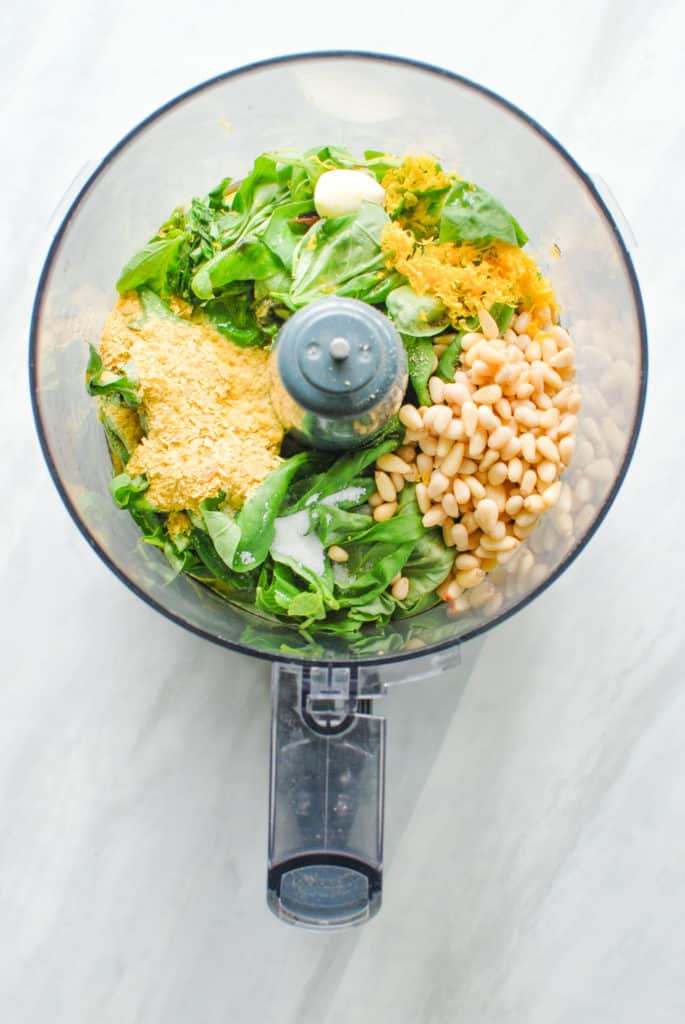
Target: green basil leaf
x=470, y=214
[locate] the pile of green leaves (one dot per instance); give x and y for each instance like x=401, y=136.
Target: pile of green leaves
x=245, y=256
x=232, y=553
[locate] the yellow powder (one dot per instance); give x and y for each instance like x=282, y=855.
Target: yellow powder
x=407, y=192
x=117, y=336
x=124, y=421
x=210, y=424
x=177, y=522
x=467, y=277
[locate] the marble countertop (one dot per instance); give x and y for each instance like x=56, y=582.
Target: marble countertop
x=535, y=869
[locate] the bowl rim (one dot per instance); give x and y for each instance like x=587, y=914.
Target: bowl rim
x=376, y=660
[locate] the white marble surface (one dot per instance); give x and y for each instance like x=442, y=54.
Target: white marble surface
x=536, y=824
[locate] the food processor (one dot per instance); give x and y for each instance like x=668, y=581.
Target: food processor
x=325, y=854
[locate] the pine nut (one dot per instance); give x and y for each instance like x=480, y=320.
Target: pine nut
x=451, y=505
x=385, y=511
x=444, y=445
x=514, y=505
x=527, y=417
x=498, y=473
x=461, y=491
x=486, y=514
x=469, y=340
x=410, y=417
x=568, y=424
x=549, y=418
x=469, y=578
x=488, y=461
x=533, y=351
x=528, y=482
x=526, y=519
x=338, y=554
x=547, y=471
x=534, y=503
x=460, y=536
x=547, y=449
x=457, y=607
x=500, y=437
x=562, y=360
x=478, y=443
x=435, y=516
x=375, y=500
x=563, y=523
x=455, y=430
x=429, y=445
x=392, y=463
x=468, y=467
x=529, y=448
x=400, y=588
x=503, y=408
x=398, y=481
x=452, y=461
x=424, y=464
x=573, y=404
x=515, y=470
x=476, y=488
x=503, y=544
x=524, y=389
x=457, y=393
x=385, y=486
x=438, y=485
x=521, y=322
x=469, y=416
x=493, y=355
x=447, y=533
x=487, y=395
x=488, y=324
x=422, y=499
x=469, y=521
x=436, y=389
x=466, y=562
x=549, y=349
x=511, y=449
x=487, y=418
x=406, y=452
x=550, y=495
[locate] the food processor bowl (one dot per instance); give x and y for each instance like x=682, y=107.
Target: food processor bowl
x=323, y=873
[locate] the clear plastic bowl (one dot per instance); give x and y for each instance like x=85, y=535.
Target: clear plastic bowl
x=360, y=101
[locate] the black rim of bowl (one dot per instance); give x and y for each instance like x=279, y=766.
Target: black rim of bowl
x=583, y=177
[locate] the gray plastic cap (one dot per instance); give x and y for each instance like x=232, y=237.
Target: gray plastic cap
x=339, y=357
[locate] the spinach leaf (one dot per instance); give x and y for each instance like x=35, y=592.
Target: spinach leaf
x=371, y=568
x=216, y=198
x=418, y=315
x=243, y=541
x=125, y=385
x=449, y=360
x=283, y=232
x=373, y=287
x=344, y=471
x=336, y=250
x=232, y=314
x=151, y=265
x=502, y=315
x=470, y=214
x=380, y=163
x=247, y=260
x=426, y=568
x=129, y=492
x=420, y=363
x=154, y=306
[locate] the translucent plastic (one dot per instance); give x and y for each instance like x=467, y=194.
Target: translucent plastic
x=360, y=101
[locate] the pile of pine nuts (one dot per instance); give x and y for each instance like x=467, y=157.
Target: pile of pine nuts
x=486, y=457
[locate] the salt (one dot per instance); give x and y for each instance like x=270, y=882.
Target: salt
x=292, y=540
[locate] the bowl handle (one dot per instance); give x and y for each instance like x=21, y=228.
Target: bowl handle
x=326, y=796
